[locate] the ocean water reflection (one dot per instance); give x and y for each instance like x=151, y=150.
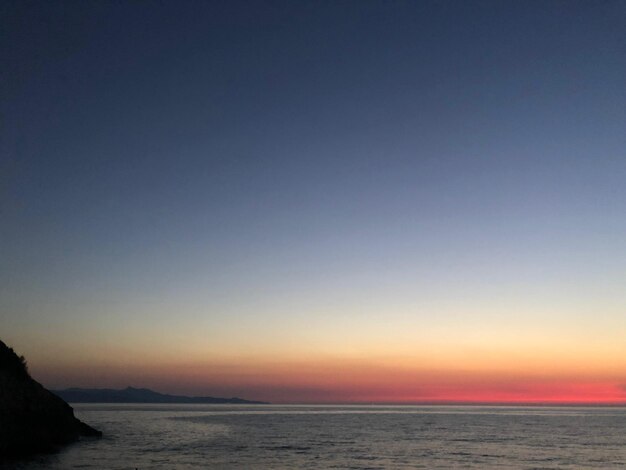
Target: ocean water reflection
x=373, y=437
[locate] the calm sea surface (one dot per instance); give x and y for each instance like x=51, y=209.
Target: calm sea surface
x=248, y=437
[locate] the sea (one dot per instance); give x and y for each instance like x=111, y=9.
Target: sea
x=343, y=437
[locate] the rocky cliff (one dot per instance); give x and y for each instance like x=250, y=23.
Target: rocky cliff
x=32, y=419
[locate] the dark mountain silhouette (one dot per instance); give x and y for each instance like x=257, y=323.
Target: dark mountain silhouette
x=138, y=395
x=32, y=419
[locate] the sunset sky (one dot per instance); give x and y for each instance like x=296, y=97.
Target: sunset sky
x=316, y=201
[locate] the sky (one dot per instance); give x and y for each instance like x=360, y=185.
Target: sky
x=316, y=201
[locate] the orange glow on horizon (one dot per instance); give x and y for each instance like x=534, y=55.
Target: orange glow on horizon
x=355, y=381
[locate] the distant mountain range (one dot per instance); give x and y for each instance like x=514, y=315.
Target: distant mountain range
x=138, y=395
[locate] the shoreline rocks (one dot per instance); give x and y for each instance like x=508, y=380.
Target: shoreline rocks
x=32, y=419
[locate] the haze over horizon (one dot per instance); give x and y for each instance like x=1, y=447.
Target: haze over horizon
x=314, y=202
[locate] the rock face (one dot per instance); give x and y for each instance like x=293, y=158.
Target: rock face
x=32, y=419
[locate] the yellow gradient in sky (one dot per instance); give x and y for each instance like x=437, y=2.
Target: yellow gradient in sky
x=343, y=361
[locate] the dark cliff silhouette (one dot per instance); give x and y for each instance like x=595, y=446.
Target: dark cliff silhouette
x=32, y=419
x=139, y=395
